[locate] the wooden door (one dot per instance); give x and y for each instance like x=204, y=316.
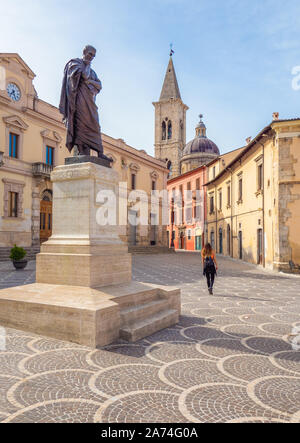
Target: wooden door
x=45, y=220
x=259, y=247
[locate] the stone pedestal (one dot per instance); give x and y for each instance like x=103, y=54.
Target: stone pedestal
x=80, y=251
x=83, y=291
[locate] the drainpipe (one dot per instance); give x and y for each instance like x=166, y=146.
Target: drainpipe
x=216, y=209
x=263, y=204
x=231, y=210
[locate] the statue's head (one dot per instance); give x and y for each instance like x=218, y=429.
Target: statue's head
x=89, y=54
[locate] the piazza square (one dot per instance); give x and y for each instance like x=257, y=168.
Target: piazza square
x=230, y=359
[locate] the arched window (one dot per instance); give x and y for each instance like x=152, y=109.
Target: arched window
x=164, y=131
x=169, y=166
x=169, y=130
x=47, y=195
x=181, y=130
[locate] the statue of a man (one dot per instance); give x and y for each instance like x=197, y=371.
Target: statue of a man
x=78, y=104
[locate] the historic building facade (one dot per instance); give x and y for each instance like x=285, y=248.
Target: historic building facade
x=253, y=201
x=188, y=210
x=32, y=142
x=139, y=171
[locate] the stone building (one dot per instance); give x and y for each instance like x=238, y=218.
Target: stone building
x=170, y=123
x=170, y=131
x=32, y=142
x=253, y=201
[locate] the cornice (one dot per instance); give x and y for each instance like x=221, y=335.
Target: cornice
x=125, y=151
x=43, y=118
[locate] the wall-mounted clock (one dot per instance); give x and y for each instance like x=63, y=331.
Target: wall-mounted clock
x=13, y=92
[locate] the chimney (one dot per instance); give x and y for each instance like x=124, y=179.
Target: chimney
x=275, y=116
x=248, y=140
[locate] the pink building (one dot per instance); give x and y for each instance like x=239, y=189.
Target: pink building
x=188, y=210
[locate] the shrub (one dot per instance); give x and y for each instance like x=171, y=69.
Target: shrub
x=17, y=253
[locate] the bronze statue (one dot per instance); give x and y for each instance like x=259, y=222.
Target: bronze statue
x=78, y=104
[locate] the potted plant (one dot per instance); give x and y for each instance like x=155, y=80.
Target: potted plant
x=17, y=256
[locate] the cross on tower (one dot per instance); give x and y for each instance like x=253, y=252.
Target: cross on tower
x=171, y=50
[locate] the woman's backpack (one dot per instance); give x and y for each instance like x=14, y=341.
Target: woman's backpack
x=209, y=265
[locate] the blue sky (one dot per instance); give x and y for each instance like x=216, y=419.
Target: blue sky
x=233, y=59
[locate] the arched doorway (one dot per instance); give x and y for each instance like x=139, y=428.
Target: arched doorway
x=182, y=240
x=228, y=240
x=240, y=240
x=46, y=216
x=221, y=241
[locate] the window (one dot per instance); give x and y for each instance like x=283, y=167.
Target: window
x=211, y=205
x=133, y=181
x=228, y=196
x=189, y=213
x=13, y=145
x=49, y=155
x=220, y=200
x=214, y=172
x=13, y=204
x=198, y=184
x=189, y=234
x=240, y=189
x=169, y=130
x=169, y=166
x=260, y=177
x=189, y=186
x=164, y=131
x=153, y=185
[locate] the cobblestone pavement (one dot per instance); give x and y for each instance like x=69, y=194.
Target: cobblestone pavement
x=230, y=359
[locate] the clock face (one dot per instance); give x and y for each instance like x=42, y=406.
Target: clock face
x=14, y=92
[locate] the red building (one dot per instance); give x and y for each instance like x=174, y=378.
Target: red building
x=188, y=210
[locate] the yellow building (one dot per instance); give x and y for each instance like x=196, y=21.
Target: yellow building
x=32, y=142
x=254, y=199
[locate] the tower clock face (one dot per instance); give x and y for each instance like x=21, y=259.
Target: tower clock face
x=13, y=92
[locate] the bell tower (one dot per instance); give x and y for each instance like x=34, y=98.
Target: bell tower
x=170, y=122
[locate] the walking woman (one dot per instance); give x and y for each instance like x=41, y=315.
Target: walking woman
x=210, y=266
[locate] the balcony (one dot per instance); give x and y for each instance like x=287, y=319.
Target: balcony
x=41, y=170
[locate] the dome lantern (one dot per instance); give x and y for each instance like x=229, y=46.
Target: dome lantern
x=201, y=128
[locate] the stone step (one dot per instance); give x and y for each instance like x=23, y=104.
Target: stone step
x=138, y=298
x=142, y=311
x=144, y=328
x=150, y=250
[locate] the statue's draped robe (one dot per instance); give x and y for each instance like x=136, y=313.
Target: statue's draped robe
x=77, y=104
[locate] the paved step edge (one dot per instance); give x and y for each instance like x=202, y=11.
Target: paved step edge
x=142, y=311
x=142, y=329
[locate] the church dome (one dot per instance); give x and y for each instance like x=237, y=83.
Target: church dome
x=201, y=144
x=199, y=151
